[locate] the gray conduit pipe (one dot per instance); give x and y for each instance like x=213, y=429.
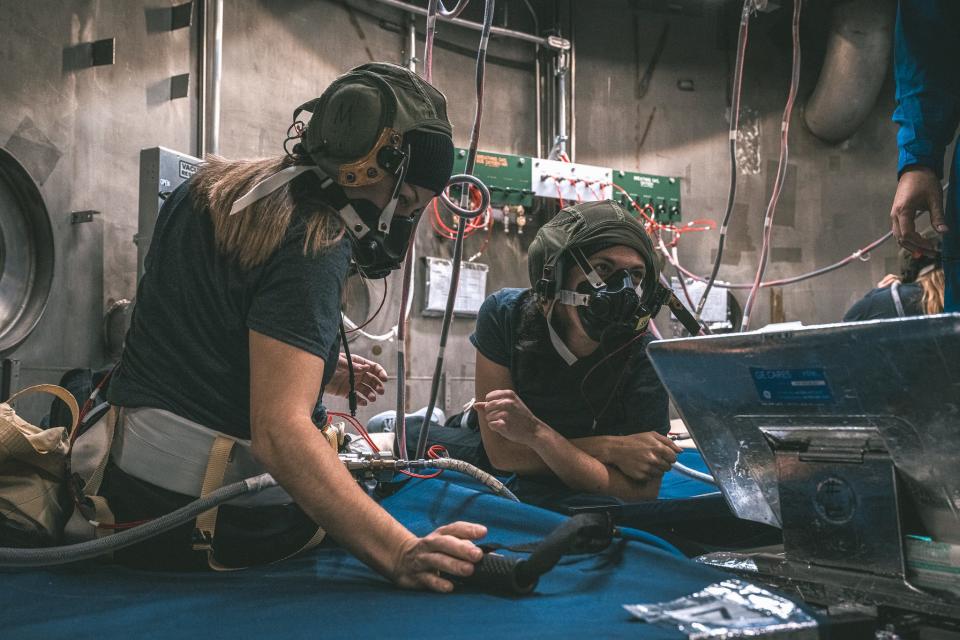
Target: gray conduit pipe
x=854, y=68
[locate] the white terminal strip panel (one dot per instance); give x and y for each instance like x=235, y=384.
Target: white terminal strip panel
x=571, y=181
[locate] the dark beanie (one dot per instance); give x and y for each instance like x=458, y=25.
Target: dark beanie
x=431, y=159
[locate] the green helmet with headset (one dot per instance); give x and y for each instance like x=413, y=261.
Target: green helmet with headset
x=378, y=121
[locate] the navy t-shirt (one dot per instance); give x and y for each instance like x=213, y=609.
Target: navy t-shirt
x=187, y=349
x=626, y=384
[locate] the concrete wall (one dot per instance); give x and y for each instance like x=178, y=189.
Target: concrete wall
x=836, y=198
x=278, y=54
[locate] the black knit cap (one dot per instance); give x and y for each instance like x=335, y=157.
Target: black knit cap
x=431, y=159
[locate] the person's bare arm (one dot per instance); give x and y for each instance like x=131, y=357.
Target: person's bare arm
x=517, y=441
x=284, y=386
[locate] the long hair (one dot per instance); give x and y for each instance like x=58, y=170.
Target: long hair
x=533, y=340
x=933, y=287
x=254, y=234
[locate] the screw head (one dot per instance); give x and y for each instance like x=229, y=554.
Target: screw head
x=351, y=177
x=371, y=173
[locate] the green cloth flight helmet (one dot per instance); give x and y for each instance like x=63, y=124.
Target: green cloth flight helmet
x=588, y=224
x=376, y=121
x=358, y=124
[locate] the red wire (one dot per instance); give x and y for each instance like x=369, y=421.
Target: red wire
x=421, y=476
x=434, y=452
x=359, y=427
x=88, y=404
x=559, y=192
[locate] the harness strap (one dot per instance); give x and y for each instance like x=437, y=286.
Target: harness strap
x=897, y=300
x=206, y=523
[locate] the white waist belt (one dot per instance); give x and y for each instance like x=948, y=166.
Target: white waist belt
x=171, y=452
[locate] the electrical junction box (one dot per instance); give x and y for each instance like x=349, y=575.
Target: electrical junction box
x=660, y=192
x=517, y=180
x=471, y=290
x=570, y=181
x=507, y=176
x=161, y=171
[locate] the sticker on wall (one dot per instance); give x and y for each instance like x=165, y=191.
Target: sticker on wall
x=791, y=386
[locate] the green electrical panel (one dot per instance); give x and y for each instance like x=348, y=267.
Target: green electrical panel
x=660, y=192
x=510, y=180
x=507, y=176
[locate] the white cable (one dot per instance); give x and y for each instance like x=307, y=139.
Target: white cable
x=390, y=335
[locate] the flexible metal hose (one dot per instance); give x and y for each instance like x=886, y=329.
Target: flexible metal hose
x=466, y=468
x=48, y=556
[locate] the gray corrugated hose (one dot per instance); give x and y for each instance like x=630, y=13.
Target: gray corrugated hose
x=47, y=556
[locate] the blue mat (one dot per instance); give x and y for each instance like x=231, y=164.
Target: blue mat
x=329, y=594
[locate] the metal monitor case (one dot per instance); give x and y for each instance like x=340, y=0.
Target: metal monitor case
x=803, y=430
x=161, y=171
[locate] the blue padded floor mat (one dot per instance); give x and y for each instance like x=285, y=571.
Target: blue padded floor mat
x=327, y=593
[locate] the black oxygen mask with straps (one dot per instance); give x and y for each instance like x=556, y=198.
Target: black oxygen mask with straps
x=613, y=307
x=379, y=237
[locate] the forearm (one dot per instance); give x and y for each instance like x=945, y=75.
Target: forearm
x=572, y=462
x=521, y=459
x=577, y=471
x=307, y=467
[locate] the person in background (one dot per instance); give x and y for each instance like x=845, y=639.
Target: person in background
x=917, y=291
x=927, y=48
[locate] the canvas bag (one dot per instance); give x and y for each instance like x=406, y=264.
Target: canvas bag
x=34, y=499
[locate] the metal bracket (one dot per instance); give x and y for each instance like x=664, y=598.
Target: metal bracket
x=839, y=499
x=79, y=217
x=181, y=15
x=102, y=52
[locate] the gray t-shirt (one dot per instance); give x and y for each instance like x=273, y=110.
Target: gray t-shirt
x=187, y=348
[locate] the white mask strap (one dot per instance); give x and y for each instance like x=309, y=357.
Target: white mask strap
x=573, y=299
x=556, y=341
x=270, y=184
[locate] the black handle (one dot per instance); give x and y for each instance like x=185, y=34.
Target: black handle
x=500, y=574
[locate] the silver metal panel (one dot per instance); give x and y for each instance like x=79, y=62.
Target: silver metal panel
x=161, y=171
x=900, y=376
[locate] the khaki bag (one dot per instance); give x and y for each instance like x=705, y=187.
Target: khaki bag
x=34, y=499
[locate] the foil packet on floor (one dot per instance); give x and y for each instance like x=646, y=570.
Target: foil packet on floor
x=730, y=609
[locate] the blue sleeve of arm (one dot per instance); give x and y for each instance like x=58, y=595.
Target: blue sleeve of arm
x=491, y=335
x=926, y=57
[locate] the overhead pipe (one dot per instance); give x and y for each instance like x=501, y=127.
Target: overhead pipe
x=854, y=68
x=536, y=74
x=550, y=43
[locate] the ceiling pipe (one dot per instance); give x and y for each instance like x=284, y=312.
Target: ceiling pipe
x=854, y=68
x=549, y=42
